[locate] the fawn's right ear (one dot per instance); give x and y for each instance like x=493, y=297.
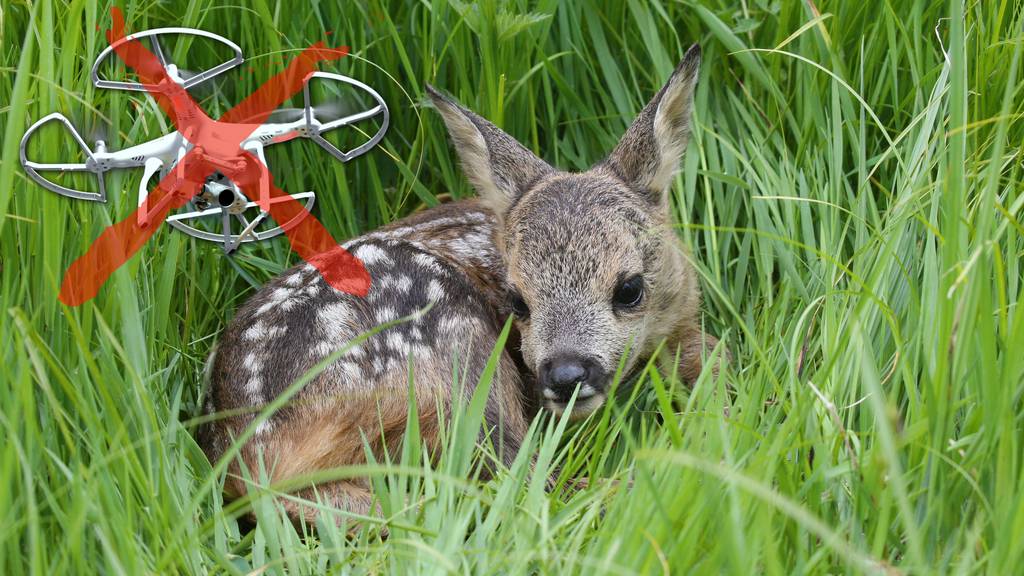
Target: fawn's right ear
x=498, y=167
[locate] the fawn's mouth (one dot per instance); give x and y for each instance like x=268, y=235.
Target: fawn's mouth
x=584, y=391
x=588, y=399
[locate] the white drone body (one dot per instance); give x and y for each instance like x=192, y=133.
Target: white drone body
x=219, y=198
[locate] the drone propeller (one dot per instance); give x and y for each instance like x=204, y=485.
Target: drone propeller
x=99, y=131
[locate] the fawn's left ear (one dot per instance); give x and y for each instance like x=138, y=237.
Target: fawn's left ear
x=649, y=153
x=498, y=166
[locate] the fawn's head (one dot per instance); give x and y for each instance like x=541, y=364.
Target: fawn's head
x=594, y=272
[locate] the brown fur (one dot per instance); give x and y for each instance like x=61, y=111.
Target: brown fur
x=566, y=243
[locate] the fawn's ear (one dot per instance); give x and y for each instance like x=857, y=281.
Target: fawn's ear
x=649, y=153
x=499, y=167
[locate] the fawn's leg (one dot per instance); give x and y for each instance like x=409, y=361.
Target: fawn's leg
x=694, y=347
x=345, y=495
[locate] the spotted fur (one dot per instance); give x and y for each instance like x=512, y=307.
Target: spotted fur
x=562, y=242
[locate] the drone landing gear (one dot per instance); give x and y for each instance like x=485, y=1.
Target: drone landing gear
x=240, y=220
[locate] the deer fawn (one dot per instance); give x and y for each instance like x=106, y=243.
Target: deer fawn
x=587, y=262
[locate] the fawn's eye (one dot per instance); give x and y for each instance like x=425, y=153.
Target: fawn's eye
x=629, y=293
x=518, y=305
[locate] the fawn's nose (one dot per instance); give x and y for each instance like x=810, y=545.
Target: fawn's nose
x=560, y=376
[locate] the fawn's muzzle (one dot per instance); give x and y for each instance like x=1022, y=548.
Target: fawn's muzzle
x=561, y=375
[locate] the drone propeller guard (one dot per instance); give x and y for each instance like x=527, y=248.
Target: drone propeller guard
x=154, y=36
x=90, y=165
x=315, y=128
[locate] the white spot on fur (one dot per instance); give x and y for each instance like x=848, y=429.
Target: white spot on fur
x=471, y=246
x=351, y=371
x=323, y=349
x=257, y=331
x=385, y=314
x=254, y=390
x=435, y=292
x=390, y=233
x=403, y=283
x=264, y=427
x=428, y=262
x=278, y=297
x=419, y=314
x=294, y=279
x=277, y=331
x=421, y=352
x=372, y=254
x=462, y=327
x=397, y=342
x=252, y=363
x=338, y=315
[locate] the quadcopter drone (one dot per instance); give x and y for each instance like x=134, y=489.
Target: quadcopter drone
x=220, y=212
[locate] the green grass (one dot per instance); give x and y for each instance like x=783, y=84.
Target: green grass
x=853, y=198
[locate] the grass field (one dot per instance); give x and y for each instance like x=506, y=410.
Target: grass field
x=853, y=196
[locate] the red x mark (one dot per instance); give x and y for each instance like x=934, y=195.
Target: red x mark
x=216, y=148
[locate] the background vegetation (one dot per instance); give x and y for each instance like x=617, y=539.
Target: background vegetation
x=853, y=197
